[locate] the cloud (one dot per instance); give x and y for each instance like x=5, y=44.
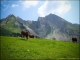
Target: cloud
x=14, y=5
x=28, y=4
x=4, y=5
x=54, y=7
x=64, y=9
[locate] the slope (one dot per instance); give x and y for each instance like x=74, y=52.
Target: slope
x=18, y=48
x=10, y=23
x=49, y=27
x=55, y=27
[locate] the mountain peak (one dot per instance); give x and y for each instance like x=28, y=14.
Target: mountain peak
x=52, y=15
x=50, y=27
x=10, y=16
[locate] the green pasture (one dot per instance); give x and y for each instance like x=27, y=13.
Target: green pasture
x=34, y=48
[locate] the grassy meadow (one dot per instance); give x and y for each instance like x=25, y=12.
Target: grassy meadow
x=34, y=48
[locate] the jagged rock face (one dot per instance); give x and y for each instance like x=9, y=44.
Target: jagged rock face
x=53, y=26
x=50, y=27
x=26, y=25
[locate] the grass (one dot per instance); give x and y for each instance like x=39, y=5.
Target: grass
x=33, y=48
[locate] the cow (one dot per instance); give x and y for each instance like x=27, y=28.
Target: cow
x=74, y=39
x=31, y=35
x=24, y=33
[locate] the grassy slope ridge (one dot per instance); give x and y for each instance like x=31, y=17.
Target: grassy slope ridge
x=9, y=24
x=18, y=48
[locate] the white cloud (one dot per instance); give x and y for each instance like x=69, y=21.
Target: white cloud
x=3, y=3
x=64, y=9
x=14, y=5
x=6, y=7
x=28, y=4
x=55, y=7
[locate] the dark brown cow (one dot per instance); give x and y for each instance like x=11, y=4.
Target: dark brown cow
x=25, y=33
x=31, y=35
x=74, y=39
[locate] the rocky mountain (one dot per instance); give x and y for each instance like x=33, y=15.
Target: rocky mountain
x=55, y=27
x=49, y=27
x=12, y=24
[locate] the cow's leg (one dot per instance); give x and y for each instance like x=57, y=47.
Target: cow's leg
x=73, y=41
x=22, y=35
x=27, y=37
x=76, y=41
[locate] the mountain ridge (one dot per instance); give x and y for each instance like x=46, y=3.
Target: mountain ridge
x=49, y=27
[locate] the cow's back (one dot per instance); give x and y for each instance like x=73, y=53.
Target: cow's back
x=23, y=32
x=74, y=39
x=31, y=35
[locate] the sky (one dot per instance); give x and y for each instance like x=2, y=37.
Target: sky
x=32, y=9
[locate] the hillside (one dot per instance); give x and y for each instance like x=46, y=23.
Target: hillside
x=49, y=27
x=10, y=24
x=18, y=48
x=55, y=27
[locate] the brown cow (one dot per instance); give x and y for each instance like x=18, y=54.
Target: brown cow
x=74, y=39
x=24, y=33
x=31, y=35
